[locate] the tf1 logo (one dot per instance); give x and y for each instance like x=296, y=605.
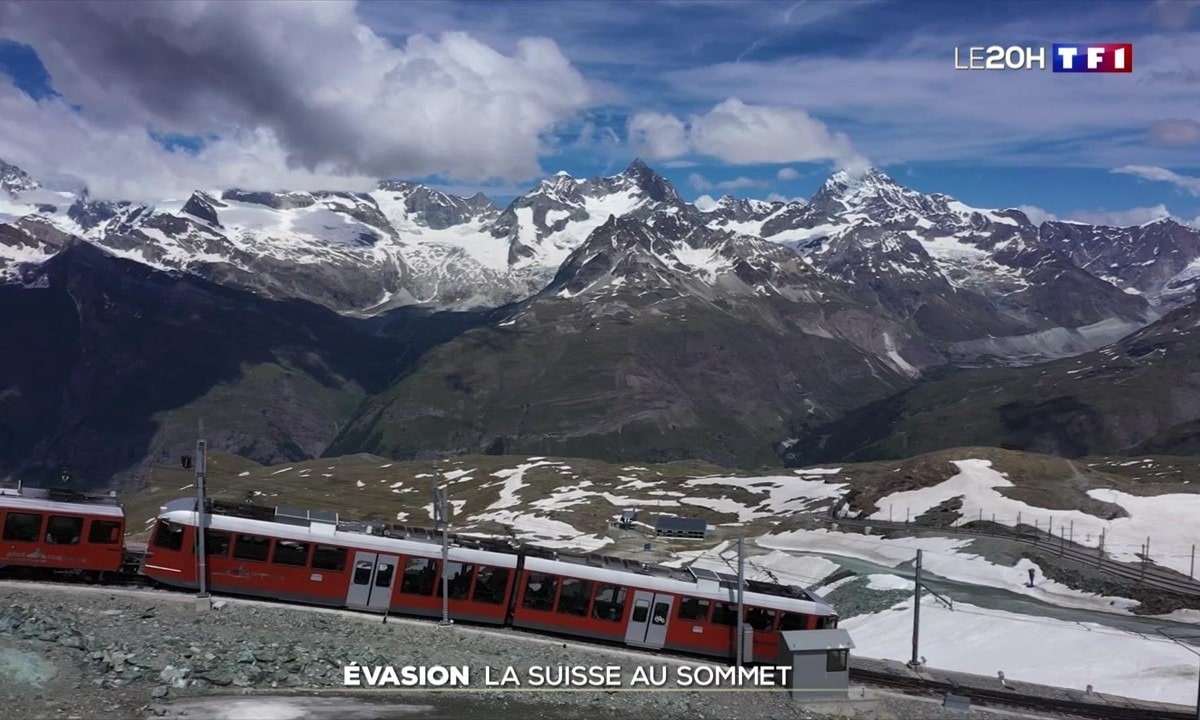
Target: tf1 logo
x=1064, y=58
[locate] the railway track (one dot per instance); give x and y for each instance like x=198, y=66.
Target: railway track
x=1148, y=574
x=902, y=681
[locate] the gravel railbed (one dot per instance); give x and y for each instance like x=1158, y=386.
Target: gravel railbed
x=70, y=651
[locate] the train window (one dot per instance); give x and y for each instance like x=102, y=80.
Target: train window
x=328, y=557
x=490, y=585
x=724, y=614
x=761, y=619
x=693, y=609
x=216, y=543
x=22, y=527
x=383, y=576
x=252, y=547
x=641, y=609
x=793, y=621
x=63, y=530
x=835, y=660
x=575, y=597
x=459, y=580
x=661, y=611
x=290, y=552
x=168, y=535
x=610, y=603
x=419, y=575
x=104, y=532
x=539, y=591
x=362, y=572
x=827, y=622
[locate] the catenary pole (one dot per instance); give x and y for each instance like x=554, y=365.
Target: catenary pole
x=443, y=520
x=201, y=516
x=741, y=615
x=916, y=614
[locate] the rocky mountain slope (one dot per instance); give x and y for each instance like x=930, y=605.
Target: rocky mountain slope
x=657, y=337
x=1139, y=395
x=612, y=319
x=108, y=362
x=405, y=244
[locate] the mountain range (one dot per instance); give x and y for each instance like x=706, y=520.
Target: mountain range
x=601, y=317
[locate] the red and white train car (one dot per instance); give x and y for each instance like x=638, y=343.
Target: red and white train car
x=311, y=557
x=61, y=530
x=684, y=610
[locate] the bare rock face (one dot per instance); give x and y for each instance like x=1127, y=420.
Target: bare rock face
x=203, y=207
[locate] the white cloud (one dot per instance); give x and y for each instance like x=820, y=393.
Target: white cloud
x=1036, y=215
x=1172, y=14
x=705, y=203
x=738, y=183
x=1122, y=218
x=701, y=183
x=49, y=139
x=786, y=174
x=907, y=104
x=292, y=90
x=741, y=134
x=658, y=136
x=1186, y=183
x=1175, y=132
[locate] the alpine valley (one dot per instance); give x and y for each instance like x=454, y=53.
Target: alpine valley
x=603, y=318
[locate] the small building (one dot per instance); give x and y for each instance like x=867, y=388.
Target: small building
x=628, y=517
x=679, y=527
x=820, y=662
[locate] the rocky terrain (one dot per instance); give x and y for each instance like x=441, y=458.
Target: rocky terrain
x=70, y=652
x=1140, y=395
x=603, y=318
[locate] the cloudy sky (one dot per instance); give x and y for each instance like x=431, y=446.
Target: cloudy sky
x=755, y=98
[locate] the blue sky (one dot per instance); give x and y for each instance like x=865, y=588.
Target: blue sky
x=755, y=98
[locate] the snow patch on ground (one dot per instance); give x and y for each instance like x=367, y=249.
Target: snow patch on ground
x=949, y=558
x=1033, y=649
x=1168, y=520
x=781, y=495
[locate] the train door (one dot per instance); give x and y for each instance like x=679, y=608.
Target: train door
x=372, y=581
x=648, y=624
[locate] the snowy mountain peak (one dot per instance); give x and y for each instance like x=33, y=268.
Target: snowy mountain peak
x=653, y=186
x=844, y=190
x=432, y=208
x=204, y=207
x=560, y=183
x=14, y=180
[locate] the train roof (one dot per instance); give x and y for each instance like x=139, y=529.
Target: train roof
x=342, y=535
x=60, y=500
x=328, y=527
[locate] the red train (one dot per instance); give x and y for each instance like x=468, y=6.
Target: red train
x=312, y=557
x=61, y=530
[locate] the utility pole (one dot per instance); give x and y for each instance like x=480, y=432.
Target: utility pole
x=203, y=601
x=442, y=522
x=741, y=615
x=1145, y=559
x=915, y=661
